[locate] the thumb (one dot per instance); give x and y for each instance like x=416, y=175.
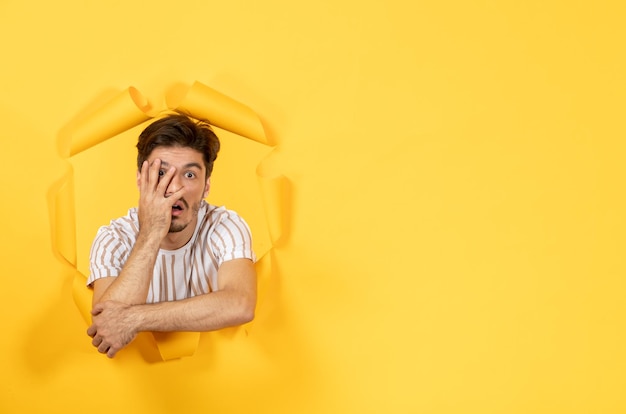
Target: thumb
x=97, y=309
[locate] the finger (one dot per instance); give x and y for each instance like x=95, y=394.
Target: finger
x=97, y=340
x=174, y=197
x=92, y=330
x=143, y=175
x=111, y=352
x=97, y=309
x=103, y=348
x=166, y=179
x=153, y=175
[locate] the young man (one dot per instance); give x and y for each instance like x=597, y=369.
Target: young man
x=175, y=263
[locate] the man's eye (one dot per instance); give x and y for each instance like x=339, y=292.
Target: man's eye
x=161, y=173
x=189, y=175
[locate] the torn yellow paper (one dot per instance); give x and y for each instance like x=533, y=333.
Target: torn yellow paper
x=126, y=110
x=64, y=224
x=274, y=191
x=82, y=297
x=206, y=103
x=238, y=163
x=174, y=345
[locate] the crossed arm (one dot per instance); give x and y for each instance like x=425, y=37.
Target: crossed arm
x=116, y=323
x=119, y=309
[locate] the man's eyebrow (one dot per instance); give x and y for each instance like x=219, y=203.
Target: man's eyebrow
x=193, y=165
x=186, y=166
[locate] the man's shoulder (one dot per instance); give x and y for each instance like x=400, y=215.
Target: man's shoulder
x=226, y=233
x=219, y=221
x=217, y=215
x=126, y=226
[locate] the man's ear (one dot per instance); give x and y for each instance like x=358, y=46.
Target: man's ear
x=138, y=178
x=207, y=186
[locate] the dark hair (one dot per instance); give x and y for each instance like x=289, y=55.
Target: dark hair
x=179, y=130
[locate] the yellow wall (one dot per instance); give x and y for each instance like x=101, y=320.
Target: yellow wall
x=456, y=227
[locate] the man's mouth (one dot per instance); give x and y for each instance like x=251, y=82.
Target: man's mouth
x=180, y=205
x=178, y=208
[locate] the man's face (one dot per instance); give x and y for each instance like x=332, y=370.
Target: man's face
x=190, y=174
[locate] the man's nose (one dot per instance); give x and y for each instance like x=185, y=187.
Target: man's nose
x=174, y=185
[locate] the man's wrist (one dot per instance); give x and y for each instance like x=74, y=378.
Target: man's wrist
x=136, y=317
x=153, y=316
x=149, y=238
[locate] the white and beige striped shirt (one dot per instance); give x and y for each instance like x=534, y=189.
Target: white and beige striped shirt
x=220, y=235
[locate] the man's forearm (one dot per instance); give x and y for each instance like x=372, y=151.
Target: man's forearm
x=131, y=286
x=206, y=312
x=115, y=323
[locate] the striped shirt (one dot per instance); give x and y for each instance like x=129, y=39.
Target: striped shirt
x=191, y=270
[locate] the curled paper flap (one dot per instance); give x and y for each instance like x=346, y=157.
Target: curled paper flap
x=82, y=297
x=264, y=272
x=64, y=228
x=273, y=191
x=124, y=111
x=174, y=345
x=275, y=195
x=206, y=103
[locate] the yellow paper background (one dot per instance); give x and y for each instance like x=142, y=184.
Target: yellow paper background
x=456, y=213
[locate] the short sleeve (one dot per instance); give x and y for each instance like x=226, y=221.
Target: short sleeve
x=231, y=238
x=108, y=254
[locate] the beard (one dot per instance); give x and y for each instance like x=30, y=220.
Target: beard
x=177, y=227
